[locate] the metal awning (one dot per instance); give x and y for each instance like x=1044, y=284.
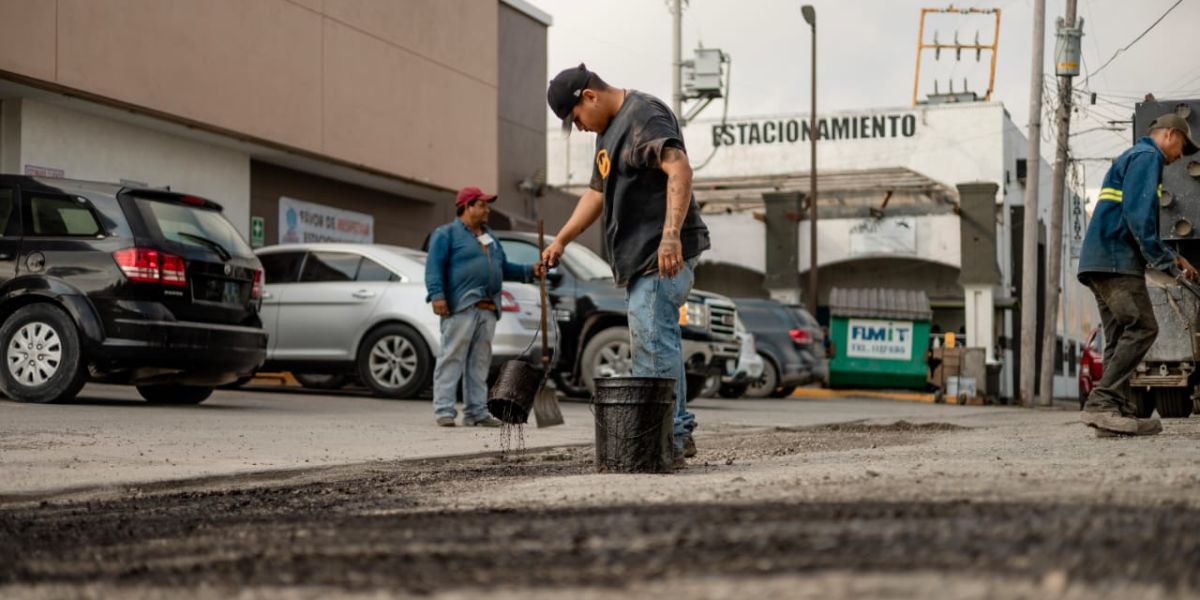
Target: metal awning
x=880, y=303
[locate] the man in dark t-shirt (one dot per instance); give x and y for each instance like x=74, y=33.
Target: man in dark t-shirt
x=642, y=185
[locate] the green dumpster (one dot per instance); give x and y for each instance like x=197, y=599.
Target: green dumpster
x=880, y=337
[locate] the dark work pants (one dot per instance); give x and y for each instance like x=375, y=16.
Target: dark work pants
x=1129, y=331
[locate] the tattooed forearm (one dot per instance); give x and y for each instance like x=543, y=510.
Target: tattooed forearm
x=679, y=191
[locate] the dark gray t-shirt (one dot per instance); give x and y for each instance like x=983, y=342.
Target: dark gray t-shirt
x=627, y=170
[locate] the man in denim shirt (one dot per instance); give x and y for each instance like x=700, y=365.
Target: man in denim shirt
x=463, y=275
x=642, y=186
x=1121, y=241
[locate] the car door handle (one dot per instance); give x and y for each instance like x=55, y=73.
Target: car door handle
x=267, y=295
x=364, y=294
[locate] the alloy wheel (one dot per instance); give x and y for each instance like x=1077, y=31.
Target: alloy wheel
x=393, y=361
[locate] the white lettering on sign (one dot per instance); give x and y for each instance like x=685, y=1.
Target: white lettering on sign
x=301, y=221
x=872, y=338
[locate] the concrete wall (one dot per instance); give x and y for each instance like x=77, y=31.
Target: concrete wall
x=403, y=87
x=84, y=146
x=948, y=143
x=522, y=109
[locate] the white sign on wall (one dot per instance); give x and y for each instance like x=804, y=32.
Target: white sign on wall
x=889, y=235
x=873, y=338
x=301, y=221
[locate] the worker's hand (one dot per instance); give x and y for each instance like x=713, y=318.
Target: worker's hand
x=551, y=254
x=539, y=269
x=1188, y=270
x=670, y=255
x=441, y=308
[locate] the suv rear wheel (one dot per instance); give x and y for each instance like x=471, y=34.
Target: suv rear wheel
x=763, y=388
x=174, y=394
x=394, y=362
x=43, y=361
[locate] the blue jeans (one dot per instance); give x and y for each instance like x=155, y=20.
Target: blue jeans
x=464, y=362
x=654, y=304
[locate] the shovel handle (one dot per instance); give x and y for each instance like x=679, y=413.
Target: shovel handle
x=542, y=285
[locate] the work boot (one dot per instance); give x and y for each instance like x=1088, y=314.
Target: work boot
x=488, y=421
x=445, y=421
x=689, y=446
x=1151, y=426
x=1110, y=420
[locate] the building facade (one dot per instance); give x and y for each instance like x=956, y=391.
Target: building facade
x=305, y=119
x=890, y=214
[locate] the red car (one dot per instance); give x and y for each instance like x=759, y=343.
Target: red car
x=1091, y=364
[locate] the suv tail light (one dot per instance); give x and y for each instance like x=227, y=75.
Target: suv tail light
x=800, y=336
x=256, y=290
x=147, y=265
x=508, y=303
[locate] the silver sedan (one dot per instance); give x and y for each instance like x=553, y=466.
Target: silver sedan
x=340, y=311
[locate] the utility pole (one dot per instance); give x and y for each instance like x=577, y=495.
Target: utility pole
x=810, y=17
x=1029, y=267
x=677, y=58
x=1066, y=66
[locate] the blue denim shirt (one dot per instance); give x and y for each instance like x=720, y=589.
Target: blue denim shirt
x=1122, y=236
x=459, y=271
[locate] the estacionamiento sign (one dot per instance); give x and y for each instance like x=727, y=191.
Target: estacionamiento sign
x=787, y=131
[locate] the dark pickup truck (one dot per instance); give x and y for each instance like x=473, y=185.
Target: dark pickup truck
x=591, y=314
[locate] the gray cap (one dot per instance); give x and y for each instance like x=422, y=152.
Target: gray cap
x=1176, y=122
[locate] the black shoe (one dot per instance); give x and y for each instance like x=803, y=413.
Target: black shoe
x=689, y=446
x=445, y=421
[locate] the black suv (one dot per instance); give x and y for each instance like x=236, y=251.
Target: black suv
x=122, y=285
x=791, y=343
x=592, y=318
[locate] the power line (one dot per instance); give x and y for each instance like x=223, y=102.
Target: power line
x=1135, y=40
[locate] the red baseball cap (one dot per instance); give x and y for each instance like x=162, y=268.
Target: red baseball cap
x=470, y=193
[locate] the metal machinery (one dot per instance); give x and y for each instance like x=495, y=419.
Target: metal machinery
x=1167, y=379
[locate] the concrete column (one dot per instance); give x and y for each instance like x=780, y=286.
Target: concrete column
x=980, y=303
x=979, y=274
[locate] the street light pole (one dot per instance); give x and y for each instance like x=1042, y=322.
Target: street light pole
x=810, y=17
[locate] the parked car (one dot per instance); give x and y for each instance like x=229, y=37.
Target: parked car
x=791, y=343
x=123, y=285
x=339, y=312
x=750, y=366
x=1091, y=364
x=592, y=317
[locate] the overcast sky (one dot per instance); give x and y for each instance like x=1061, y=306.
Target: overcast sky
x=866, y=52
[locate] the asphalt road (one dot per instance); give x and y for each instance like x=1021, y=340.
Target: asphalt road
x=846, y=498
x=110, y=435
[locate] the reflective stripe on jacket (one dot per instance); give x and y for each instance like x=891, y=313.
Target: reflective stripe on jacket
x=1122, y=236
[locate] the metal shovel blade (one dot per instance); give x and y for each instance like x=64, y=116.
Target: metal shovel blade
x=546, y=409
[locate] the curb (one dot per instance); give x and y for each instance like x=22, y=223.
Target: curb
x=826, y=394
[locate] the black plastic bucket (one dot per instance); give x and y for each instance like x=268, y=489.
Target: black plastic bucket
x=634, y=423
x=511, y=397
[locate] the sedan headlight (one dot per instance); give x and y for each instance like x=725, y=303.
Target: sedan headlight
x=694, y=314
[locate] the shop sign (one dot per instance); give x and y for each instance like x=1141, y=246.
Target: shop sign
x=301, y=221
x=872, y=338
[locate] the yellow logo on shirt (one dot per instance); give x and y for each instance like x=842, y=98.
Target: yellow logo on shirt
x=602, y=163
